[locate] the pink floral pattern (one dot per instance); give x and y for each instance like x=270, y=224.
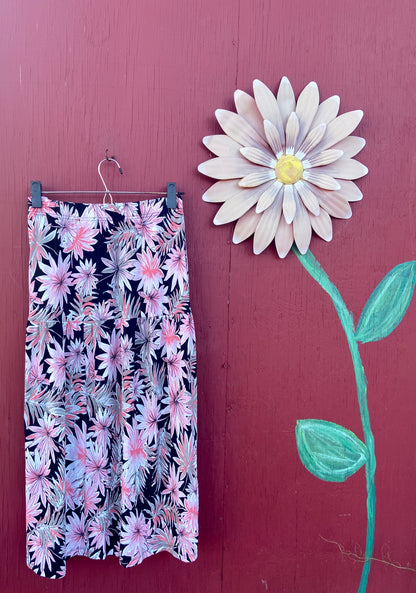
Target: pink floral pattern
x=110, y=388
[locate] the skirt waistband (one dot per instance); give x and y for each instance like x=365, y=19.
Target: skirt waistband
x=98, y=210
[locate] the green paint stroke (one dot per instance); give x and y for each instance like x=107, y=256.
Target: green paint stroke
x=313, y=267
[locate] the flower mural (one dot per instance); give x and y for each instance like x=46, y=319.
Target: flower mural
x=284, y=166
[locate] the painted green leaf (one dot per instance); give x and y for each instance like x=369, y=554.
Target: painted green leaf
x=388, y=303
x=329, y=451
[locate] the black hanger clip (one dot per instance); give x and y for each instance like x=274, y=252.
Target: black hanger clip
x=171, y=195
x=36, y=193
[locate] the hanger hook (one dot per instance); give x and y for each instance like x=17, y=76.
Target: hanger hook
x=108, y=158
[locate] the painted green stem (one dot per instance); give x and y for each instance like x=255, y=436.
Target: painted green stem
x=313, y=267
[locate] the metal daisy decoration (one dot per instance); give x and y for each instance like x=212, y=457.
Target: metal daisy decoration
x=284, y=168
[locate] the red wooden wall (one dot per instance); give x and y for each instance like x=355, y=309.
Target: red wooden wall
x=143, y=78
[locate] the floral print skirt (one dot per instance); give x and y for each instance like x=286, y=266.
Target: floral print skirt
x=110, y=385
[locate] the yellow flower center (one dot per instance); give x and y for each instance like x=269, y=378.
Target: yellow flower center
x=288, y=169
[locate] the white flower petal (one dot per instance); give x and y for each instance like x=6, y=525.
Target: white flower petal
x=349, y=191
x=321, y=180
x=292, y=131
x=267, y=227
x=285, y=100
x=228, y=167
x=307, y=196
x=284, y=237
x=345, y=169
x=339, y=128
x=289, y=203
x=311, y=140
x=324, y=158
x=247, y=108
x=246, y=225
x=255, y=155
x=237, y=205
x=333, y=203
x=257, y=178
x=273, y=138
x=327, y=111
x=221, y=191
x=239, y=129
x=268, y=197
x=222, y=145
x=267, y=105
x=350, y=146
x=322, y=224
x=306, y=108
x=336, y=207
x=302, y=230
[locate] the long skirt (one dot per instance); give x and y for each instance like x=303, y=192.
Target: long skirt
x=110, y=385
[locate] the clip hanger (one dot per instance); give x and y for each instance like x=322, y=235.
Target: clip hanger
x=171, y=193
